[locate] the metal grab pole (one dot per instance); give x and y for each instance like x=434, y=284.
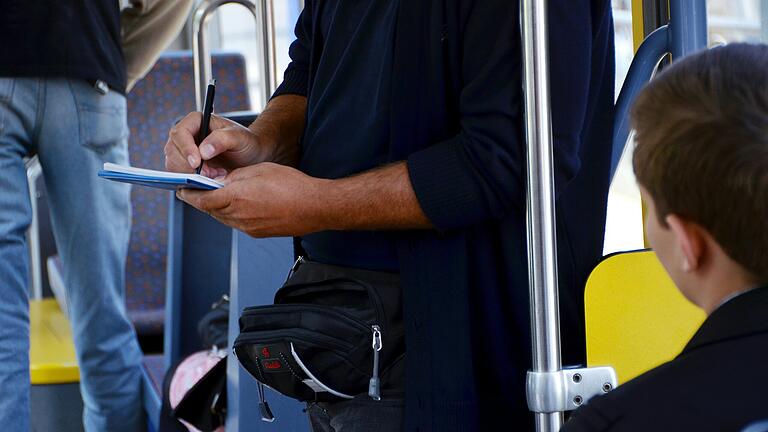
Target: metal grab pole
x=550, y=388
x=263, y=14
x=542, y=252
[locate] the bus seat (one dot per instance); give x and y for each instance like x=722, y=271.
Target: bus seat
x=760, y=426
x=259, y=269
x=166, y=94
x=173, y=238
x=163, y=96
x=199, y=264
x=636, y=319
x=55, y=401
x=153, y=374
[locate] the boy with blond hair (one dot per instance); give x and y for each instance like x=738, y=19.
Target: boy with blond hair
x=702, y=165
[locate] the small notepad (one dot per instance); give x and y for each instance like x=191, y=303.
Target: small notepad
x=157, y=179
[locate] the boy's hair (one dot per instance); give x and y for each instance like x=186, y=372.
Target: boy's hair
x=702, y=147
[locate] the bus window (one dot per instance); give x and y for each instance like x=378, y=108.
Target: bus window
x=238, y=35
x=728, y=21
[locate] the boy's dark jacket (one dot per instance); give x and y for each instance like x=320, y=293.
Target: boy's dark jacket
x=457, y=119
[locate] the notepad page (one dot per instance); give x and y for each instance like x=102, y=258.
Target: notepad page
x=122, y=169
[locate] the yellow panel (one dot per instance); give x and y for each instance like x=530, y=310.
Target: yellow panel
x=638, y=35
x=52, y=352
x=638, y=32
x=644, y=211
x=635, y=317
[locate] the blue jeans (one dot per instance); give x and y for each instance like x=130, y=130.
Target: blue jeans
x=73, y=129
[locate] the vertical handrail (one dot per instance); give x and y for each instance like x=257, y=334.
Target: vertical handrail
x=764, y=20
x=687, y=27
x=269, y=50
x=548, y=388
x=542, y=253
x=653, y=49
x=263, y=14
x=685, y=34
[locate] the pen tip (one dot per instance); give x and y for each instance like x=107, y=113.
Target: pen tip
x=212, y=81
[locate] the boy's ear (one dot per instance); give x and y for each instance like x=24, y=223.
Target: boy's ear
x=689, y=241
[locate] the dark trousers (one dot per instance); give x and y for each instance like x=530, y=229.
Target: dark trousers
x=361, y=414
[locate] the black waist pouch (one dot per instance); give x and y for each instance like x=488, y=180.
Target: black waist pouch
x=332, y=334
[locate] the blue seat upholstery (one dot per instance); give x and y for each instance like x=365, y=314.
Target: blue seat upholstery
x=165, y=95
x=153, y=373
x=760, y=426
x=162, y=97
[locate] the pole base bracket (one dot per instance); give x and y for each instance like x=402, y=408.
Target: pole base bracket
x=567, y=389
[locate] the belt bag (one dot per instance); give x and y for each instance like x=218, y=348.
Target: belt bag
x=333, y=333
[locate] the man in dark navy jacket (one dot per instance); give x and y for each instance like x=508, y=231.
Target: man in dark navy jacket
x=700, y=160
x=404, y=119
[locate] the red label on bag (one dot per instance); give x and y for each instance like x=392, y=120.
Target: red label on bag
x=272, y=364
x=265, y=352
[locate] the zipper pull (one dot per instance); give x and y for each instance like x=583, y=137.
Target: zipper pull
x=224, y=299
x=374, y=387
x=266, y=413
x=299, y=261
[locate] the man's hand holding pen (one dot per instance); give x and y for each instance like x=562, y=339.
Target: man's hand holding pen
x=229, y=146
x=259, y=197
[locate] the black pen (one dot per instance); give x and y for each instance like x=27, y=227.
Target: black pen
x=205, y=123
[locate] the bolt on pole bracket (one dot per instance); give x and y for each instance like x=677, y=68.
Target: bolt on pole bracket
x=567, y=389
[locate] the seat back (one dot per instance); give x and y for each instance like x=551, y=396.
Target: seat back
x=636, y=319
x=760, y=426
x=165, y=95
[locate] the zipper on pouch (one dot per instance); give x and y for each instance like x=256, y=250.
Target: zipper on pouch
x=374, y=387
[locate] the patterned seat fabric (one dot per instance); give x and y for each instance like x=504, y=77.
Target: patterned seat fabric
x=165, y=95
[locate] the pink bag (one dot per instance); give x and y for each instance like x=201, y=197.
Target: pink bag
x=188, y=374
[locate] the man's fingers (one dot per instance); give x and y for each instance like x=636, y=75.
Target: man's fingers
x=175, y=162
x=207, y=171
x=206, y=201
x=219, y=122
x=182, y=138
x=213, y=172
x=228, y=139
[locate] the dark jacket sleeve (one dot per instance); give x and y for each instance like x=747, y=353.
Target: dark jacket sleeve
x=296, y=77
x=586, y=419
x=599, y=414
x=479, y=174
